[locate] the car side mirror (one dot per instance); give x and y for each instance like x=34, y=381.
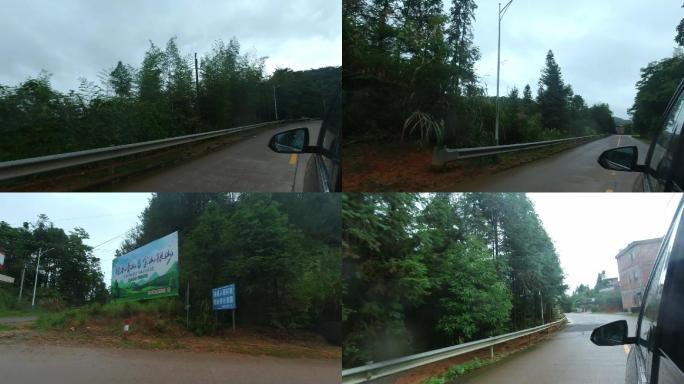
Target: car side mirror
x=614, y=333
x=292, y=141
x=620, y=159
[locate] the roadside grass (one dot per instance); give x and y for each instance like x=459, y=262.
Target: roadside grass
x=21, y=312
x=156, y=325
x=158, y=315
x=6, y=327
x=455, y=371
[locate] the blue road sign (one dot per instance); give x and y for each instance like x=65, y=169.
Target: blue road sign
x=223, y=297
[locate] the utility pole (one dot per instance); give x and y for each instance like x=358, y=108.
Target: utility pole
x=35, y=281
x=187, y=306
x=196, y=77
x=502, y=12
x=542, y=306
x=275, y=103
x=21, y=286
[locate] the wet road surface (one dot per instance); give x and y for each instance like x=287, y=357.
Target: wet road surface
x=568, y=357
x=574, y=170
x=20, y=363
x=245, y=166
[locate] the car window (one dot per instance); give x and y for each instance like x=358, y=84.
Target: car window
x=662, y=157
x=651, y=302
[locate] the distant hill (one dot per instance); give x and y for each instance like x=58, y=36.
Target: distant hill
x=620, y=122
x=306, y=93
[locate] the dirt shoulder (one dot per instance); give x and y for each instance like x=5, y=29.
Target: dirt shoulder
x=378, y=167
x=250, y=341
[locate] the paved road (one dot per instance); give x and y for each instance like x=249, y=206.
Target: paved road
x=575, y=170
x=245, y=166
x=21, y=363
x=17, y=319
x=568, y=357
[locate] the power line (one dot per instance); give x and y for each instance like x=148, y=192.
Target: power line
x=115, y=237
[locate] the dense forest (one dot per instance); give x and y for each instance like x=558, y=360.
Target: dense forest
x=423, y=271
x=69, y=274
x=158, y=99
x=282, y=251
x=658, y=83
x=409, y=72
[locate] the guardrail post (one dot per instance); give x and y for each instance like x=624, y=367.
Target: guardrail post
x=491, y=352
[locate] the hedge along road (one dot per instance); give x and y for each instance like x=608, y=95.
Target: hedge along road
x=248, y=165
x=574, y=170
x=22, y=363
x=568, y=357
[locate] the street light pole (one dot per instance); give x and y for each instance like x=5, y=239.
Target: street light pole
x=275, y=103
x=502, y=12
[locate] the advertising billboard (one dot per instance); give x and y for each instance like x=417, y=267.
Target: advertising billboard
x=147, y=272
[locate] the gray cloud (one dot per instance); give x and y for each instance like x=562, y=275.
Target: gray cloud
x=600, y=45
x=79, y=38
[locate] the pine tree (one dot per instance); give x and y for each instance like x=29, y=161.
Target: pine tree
x=552, y=96
x=460, y=40
x=121, y=79
x=150, y=77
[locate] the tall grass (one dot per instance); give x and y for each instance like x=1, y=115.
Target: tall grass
x=164, y=310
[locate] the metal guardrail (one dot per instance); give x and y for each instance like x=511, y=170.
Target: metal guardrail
x=35, y=165
x=374, y=371
x=441, y=156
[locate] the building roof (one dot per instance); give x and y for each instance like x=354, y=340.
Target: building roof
x=638, y=242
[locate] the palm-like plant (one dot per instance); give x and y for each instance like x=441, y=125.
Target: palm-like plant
x=426, y=126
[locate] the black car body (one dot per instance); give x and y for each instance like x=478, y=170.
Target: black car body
x=657, y=353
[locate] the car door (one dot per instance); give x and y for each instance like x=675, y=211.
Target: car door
x=646, y=350
x=662, y=159
x=323, y=171
x=670, y=346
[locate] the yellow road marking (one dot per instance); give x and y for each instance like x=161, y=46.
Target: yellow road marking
x=619, y=139
x=626, y=347
x=293, y=159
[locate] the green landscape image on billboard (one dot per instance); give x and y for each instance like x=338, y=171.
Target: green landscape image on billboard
x=147, y=272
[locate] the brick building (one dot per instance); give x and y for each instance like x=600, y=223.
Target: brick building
x=634, y=267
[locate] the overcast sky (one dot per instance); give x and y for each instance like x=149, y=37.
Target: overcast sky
x=589, y=229
x=600, y=45
x=104, y=216
x=79, y=38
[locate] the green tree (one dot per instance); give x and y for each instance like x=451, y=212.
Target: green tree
x=679, y=38
x=552, y=96
x=121, y=79
x=658, y=83
x=150, y=82
x=465, y=53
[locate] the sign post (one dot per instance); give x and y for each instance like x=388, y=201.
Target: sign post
x=223, y=298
